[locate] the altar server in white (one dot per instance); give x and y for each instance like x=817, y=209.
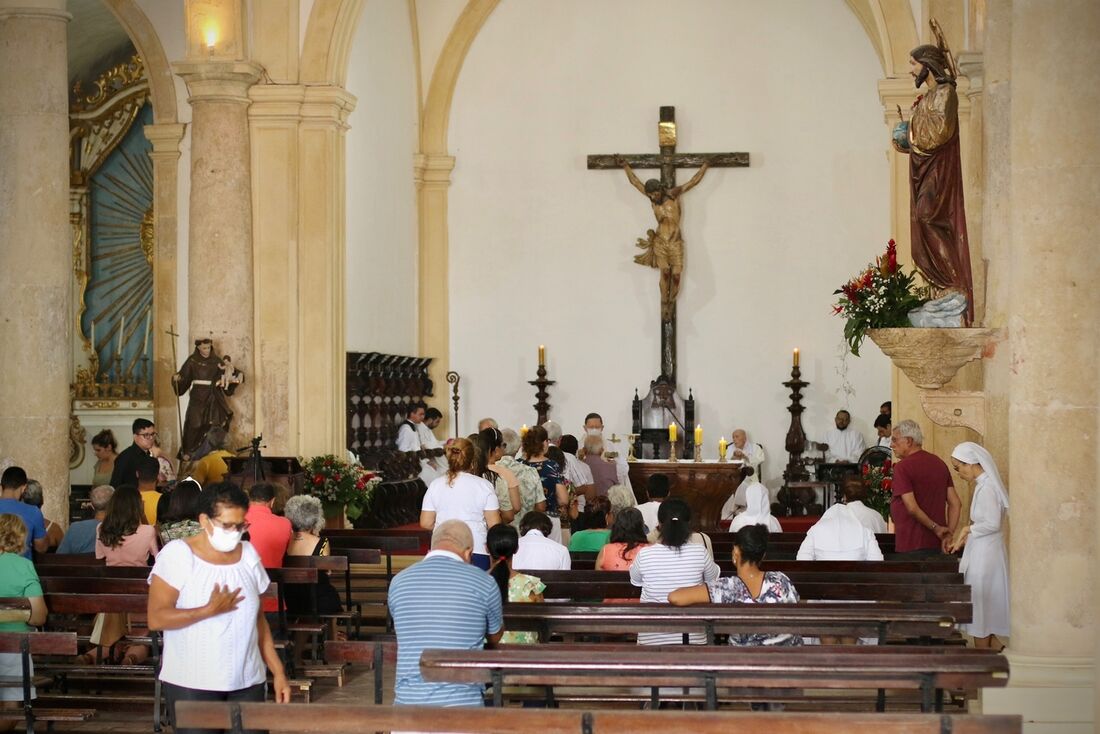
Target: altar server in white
x=845, y=443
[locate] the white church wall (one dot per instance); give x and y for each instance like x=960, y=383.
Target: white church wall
x=540, y=247
x=381, y=195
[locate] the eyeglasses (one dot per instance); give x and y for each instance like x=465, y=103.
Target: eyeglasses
x=239, y=527
x=154, y=434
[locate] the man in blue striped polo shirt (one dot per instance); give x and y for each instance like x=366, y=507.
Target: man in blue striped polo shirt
x=443, y=603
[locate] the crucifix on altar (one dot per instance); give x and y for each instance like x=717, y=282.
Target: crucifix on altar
x=663, y=249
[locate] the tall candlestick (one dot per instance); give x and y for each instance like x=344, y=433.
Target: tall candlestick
x=148, y=321
x=722, y=445
x=796, y=356
x=672, y=432
x=699, y=435
x=542, y=355
x=121, y=330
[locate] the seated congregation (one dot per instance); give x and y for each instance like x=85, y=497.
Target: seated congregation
x=545, y=584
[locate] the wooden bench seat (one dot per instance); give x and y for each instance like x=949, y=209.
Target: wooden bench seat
x=926, y=621
x=352, y=719
x=928, y=669
x=28, y=645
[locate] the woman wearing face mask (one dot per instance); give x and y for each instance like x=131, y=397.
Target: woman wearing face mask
x=204, y=593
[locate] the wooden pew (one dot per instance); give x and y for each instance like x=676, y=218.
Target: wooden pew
x=926, y=622
x=28, y=644
x=927, y=669
x=807, y=572
x=586, y=561
x=388, y=544
x=373, y=653
x=353, y=719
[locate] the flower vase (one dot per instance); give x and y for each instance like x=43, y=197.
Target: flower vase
x=334, y=516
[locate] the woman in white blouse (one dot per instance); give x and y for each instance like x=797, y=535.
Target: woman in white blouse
x=204, y=593
x=984, y=563
x=460, y=495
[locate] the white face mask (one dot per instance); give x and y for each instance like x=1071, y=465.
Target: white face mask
x=594, y=431
x=224, y=540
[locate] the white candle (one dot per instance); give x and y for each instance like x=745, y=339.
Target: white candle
x=121, y=330
x=93, y=335
x=148, y=321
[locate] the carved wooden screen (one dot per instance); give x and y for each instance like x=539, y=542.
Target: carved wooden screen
x=380, y=389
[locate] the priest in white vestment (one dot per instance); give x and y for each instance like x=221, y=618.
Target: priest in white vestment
x=845, y=443
x=428, y=440
x=408, y=440
x=593, y=426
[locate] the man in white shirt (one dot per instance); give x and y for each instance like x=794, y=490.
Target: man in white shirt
x=657, y=489
x=747, y=451
x=845, y=443
x=575, y=470
x=593, y=425
x=425, y=430
x=536, y=551
x=854, y=494
x=883, y=429
x=408, y=440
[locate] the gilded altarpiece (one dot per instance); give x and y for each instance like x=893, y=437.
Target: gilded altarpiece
x=111, y=211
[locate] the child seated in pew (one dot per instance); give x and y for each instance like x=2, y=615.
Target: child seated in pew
x=503, y=542
x=17, y=579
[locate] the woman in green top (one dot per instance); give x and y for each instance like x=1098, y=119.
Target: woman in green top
x=503, y=542
x=17, y=579
x=597, y=516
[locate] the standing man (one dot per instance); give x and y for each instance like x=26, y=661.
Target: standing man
x=12, y=485
x=845, y=443
x=126, y=463
x=443, y=603
x=408, y=440
x=925, y=507
x=593, y=425
x=426, y=431
x=575, y=470
x=146, y=479
x=883, y=429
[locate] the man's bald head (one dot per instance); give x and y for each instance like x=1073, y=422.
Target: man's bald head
x=454, y=536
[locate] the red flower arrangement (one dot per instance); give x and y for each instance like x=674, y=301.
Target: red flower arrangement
x=338, y=483
x=880, y=297
x=880, y=482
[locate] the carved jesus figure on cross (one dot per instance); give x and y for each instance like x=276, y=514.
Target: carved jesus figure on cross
x=664, y=247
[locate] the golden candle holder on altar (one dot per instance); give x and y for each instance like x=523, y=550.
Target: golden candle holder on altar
x=672, y=458
x=698, y=452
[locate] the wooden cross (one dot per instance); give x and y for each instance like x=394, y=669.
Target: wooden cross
x=668, y=160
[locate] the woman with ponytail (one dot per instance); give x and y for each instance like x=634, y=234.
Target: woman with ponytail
x=462, y=495
x=671, y=563
x=503, y=542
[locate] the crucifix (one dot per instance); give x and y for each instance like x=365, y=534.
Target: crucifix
x=663, y=247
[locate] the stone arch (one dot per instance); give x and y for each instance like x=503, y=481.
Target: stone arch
x=162, y=88
x=329, y=35
x=892, y=31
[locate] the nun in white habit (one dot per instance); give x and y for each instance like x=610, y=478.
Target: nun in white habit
x=758, y=512
x=985, y=560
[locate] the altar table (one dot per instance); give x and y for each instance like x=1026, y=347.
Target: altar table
x=704, y=485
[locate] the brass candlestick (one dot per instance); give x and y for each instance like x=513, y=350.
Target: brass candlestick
x=672, y=452
x=698, y=452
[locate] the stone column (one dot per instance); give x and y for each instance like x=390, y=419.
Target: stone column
x=1053, y=395
x=321, y=354
x=35, y=246
x=220, y=262
x=433, y=180
x=165, y=155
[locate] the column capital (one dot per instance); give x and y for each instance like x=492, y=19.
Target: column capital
x=896, y=92
x=327, y=105
x=276, y=102
x=432, y=171
x=165, y=138
x=218, y=81
x=38, y=9
x=972, y=66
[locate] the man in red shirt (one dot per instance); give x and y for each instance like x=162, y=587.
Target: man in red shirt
x=269, y=533
x=925, y=507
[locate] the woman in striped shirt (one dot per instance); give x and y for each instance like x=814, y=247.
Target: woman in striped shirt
x=669, y=564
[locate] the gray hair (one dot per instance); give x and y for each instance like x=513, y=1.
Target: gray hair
x=909, y=429
x=305, y=512
x=486, y=423
x=454, y=533
x=32, y=495
x=100, y=496
x=553, y=431
x=620, y=498
x=593, y=444
x=510, y=441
